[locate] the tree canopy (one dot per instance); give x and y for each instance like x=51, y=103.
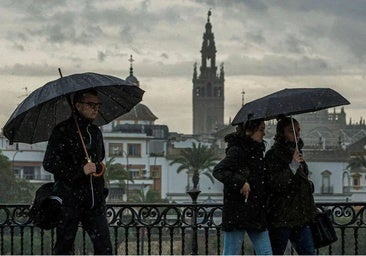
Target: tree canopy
x=116, y=171
x=13, y=190
x=356, y=162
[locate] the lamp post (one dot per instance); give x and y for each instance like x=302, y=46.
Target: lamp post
x=128, y=173
x=193, y=193
x=13, y=161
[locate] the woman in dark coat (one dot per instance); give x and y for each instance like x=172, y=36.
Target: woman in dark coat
x=291, y=203
x=245, y=201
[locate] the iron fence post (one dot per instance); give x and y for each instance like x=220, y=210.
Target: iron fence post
x=193, y=193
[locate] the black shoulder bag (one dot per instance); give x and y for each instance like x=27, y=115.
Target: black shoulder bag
x=45, y=211
x=323, y=230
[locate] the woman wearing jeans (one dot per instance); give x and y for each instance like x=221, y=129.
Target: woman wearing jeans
x=245, y=200
x=291, y=203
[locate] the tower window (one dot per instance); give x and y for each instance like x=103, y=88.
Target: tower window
x=208, y=62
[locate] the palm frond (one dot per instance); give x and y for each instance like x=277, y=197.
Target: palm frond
x=197, y=160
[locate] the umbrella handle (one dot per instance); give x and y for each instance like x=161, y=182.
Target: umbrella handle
x=293, y=129
x=97, y=175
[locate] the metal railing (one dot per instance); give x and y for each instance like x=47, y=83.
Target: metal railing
x=167, y=229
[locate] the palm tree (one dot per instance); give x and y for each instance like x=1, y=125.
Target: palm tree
x=151, y=196
x=116, y=171
x=198, y=160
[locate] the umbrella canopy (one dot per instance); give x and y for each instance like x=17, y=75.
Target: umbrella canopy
x=289, y=102
x=33, y=120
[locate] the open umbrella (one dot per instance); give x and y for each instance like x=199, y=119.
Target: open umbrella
x=289, y=102
x=34, y=119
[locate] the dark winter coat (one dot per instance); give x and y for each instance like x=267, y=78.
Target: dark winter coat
x=65, y=158
x=244, y=162
x=291, y=203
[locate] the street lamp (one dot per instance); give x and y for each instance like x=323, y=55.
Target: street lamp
x=13, y=161
x=128, y=173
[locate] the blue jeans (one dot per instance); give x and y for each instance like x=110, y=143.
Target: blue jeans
x=233, y=241
x=300, y=238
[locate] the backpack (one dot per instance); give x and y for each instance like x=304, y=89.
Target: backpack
x=45, y=211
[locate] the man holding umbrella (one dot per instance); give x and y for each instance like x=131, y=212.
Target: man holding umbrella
x=74, y=156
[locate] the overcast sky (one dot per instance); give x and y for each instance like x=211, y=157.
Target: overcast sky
x=265, y=46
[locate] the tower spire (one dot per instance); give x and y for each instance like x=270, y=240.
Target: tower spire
x=208, y=50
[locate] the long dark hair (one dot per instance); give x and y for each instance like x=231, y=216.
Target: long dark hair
x=247, y=129
x=282, y=123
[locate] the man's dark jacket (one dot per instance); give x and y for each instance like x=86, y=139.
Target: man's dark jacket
x=291, y=203
x=244, y=162
x=65, y=158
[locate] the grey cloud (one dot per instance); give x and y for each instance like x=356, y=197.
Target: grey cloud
x=160, y=69
x=126, y=35
x=57, y=33
x=255, y=36
x=354, y=8
x=263, y=24
x=352, y=35
x=101, y=56
x=29, y=70
x=164, y=55
x=16, y=36
x=18, y=47
x=146, y=69
x=33, y=7
x=277, y=66
x=293, y=44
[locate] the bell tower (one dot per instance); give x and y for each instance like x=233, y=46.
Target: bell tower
x=208, y=88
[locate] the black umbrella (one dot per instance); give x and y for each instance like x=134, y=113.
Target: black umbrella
x=289, y=102
x=33, y=120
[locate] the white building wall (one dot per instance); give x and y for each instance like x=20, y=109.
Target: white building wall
x=177, y=186
x=336, y=178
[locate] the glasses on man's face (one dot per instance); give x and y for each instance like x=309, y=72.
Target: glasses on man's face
x=93, y=105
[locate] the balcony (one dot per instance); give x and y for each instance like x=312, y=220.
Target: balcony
x=326, y=190
x=167, y=229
